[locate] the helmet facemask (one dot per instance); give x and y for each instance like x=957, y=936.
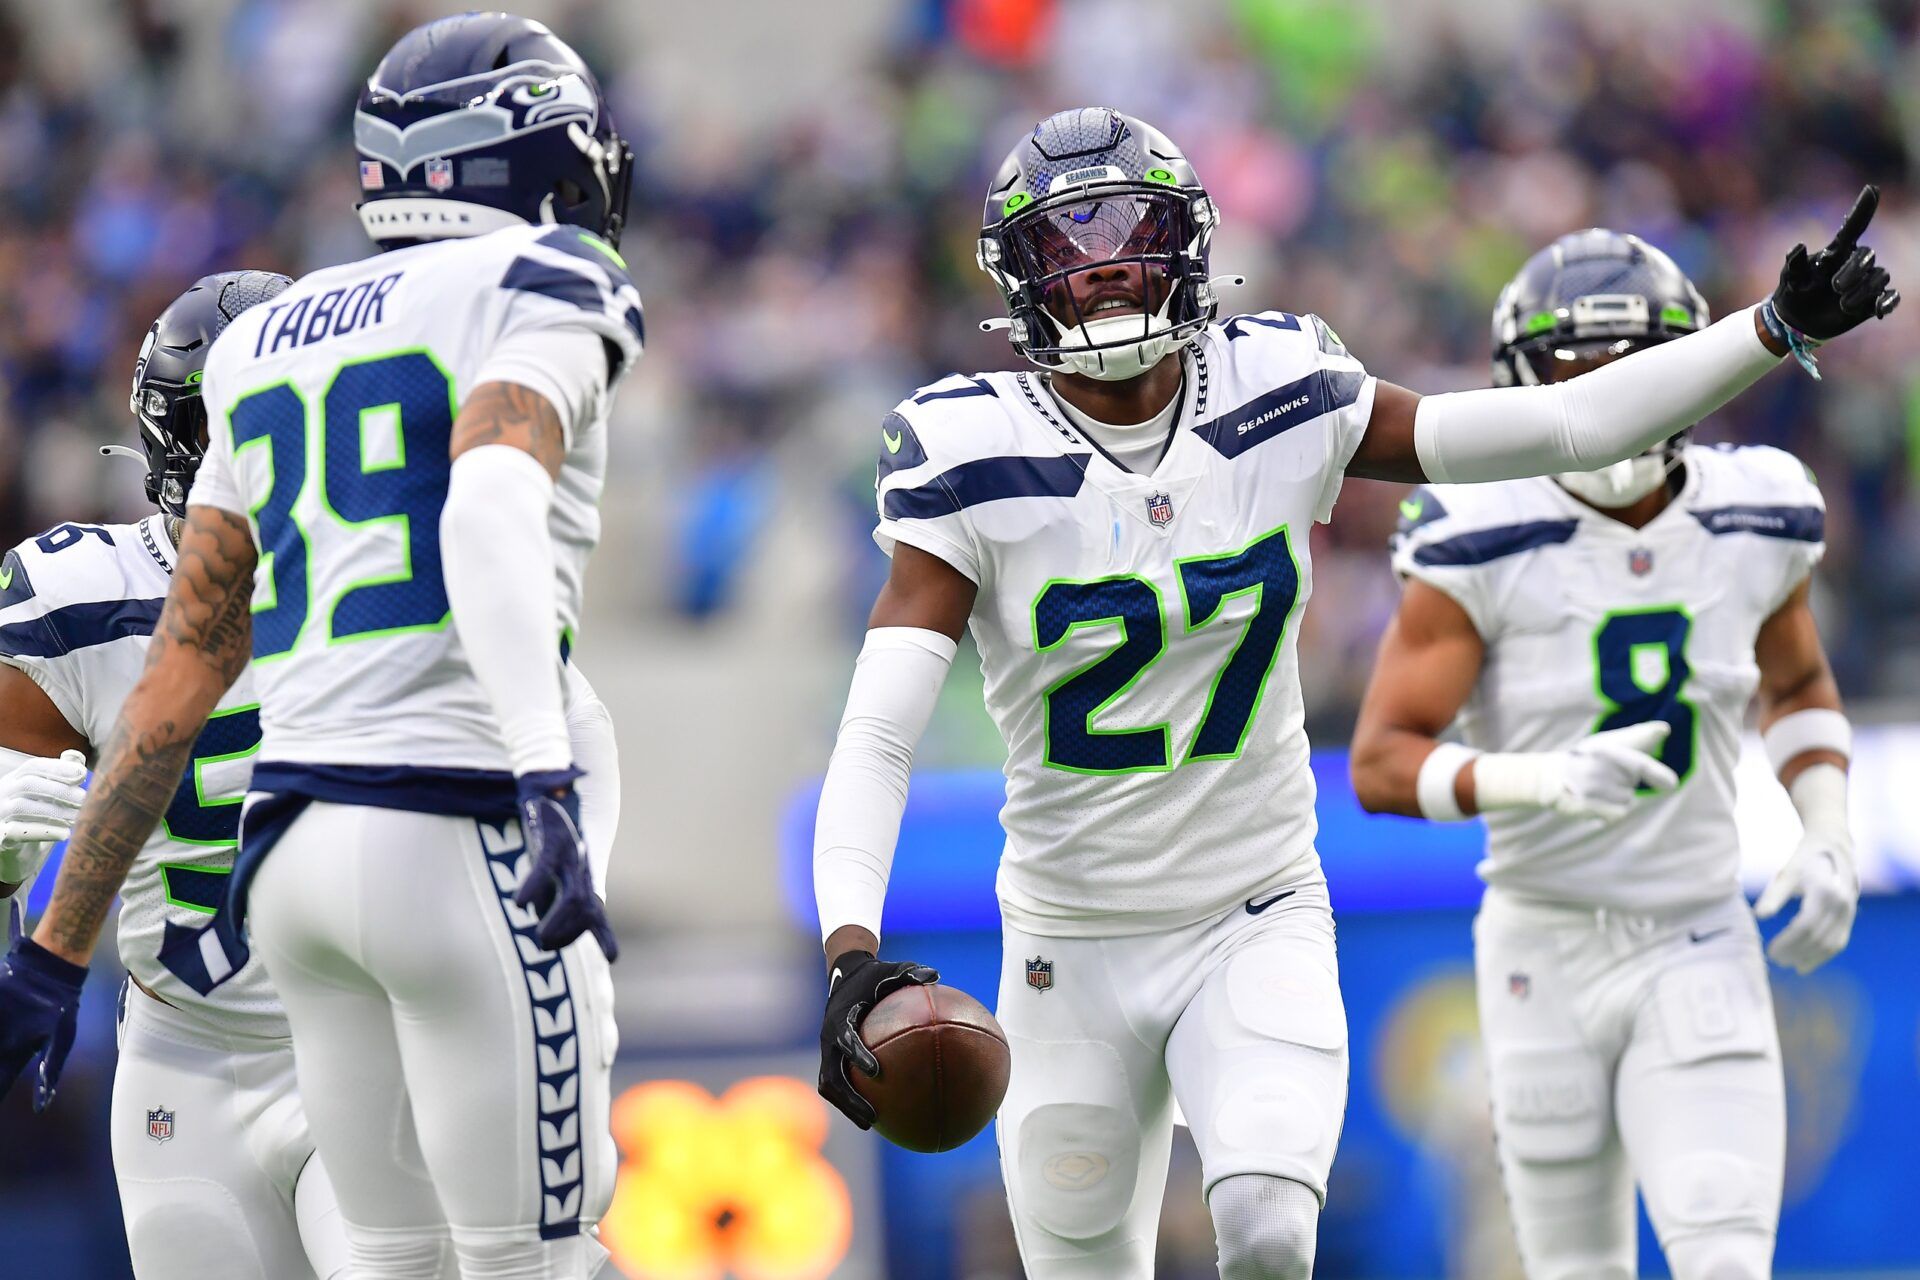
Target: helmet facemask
x=1103, y=281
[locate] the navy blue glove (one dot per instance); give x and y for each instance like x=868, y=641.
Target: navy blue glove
x=559, y=883
x=39, y=1011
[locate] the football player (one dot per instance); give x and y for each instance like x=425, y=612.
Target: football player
x=1599, y=636
x=1125, y=530
x=399, y=495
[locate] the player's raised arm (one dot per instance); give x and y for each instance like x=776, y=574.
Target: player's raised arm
x=1428, y=664
x=1808, y=741
x=912, y=638
x=507, y=446
x=1615, y=412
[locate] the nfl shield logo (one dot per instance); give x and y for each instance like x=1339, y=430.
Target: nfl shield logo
x=1159, y=509
x=1040, y=974
x=1519, y=985
x=160, y=1124
x=371, y=176
x=1640, y=560
x=439, y=173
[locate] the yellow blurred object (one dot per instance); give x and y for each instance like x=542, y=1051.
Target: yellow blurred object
x=729, y=1186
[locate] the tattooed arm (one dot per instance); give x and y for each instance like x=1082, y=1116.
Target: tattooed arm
x=200, y=646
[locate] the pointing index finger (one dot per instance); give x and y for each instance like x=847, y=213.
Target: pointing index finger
x=1857, y=219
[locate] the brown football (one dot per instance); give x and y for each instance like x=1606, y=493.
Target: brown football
x=943, y=1067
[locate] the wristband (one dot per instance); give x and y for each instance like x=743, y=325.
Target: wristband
x=1812, y=729
x=1434, y=787
x=1791, y=338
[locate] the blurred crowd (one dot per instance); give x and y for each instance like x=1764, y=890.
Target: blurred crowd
x=803, y=274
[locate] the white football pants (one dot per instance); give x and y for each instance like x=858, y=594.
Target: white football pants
x=1626, y=1048
x=456, y=1075
x=218, y=1177
x=1238, y=1018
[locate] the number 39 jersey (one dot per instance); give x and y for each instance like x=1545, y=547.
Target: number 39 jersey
x=330, y=411
x=1591, y=625
x=1138, y=632
x=77, y=611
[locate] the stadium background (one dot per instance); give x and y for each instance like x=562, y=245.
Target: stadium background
x=810, y=178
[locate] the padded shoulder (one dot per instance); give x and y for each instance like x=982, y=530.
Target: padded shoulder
x=78, y=585
x=1465, y=526
x=1753, y=474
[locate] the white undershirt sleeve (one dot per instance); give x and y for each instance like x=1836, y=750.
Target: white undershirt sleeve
x=493, y=531
x=597, y=754
x=1597, y=419
x=896, y=681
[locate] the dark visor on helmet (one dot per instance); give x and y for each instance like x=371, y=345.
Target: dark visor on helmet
x=1102, y=252
x=1557, y=361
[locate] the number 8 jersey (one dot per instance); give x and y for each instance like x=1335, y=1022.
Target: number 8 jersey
x=1138, y=632
x=1591, y=625
x=329, y=415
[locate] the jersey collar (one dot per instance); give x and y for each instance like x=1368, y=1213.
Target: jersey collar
x=153, y=536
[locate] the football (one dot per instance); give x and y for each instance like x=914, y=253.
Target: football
x=943, y=1067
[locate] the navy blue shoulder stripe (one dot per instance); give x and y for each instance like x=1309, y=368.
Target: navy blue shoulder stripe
x=988, y=480
x=15, y=586
x=902, y=451
x=1482, y=546
x=581, y=244
x=79, y=626
x=530, y=275
x=1801, y=524
x=974, y=387
x=1281, y=410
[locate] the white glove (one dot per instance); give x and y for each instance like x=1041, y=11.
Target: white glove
x=1598, y=778
x=1820, y=874
x=39, y=801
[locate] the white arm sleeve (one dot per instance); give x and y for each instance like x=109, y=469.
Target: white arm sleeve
x=896, y=681
x=590, y=729
x=1594, y=420
x=566, y=366
x=493, y=530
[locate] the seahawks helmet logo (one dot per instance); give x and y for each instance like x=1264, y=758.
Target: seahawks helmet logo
x=478, y=111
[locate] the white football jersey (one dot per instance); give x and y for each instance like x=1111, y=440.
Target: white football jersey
x=77, y=611
x=330, y=410
x=1138, y=632
x=1591, y=625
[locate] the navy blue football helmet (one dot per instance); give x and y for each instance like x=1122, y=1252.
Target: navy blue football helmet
x=1092, y=191
x=482, y=121
x=166, y=379
x=1589, y=296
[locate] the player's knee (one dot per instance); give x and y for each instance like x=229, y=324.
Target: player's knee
x=1077, y=1167
x=1266, y=1227
x=401, y=1254
x=198, y=1237
x=1709, y=1194
x=1722, y=1255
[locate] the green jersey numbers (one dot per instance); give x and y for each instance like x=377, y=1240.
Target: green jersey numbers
x=1641, y=671
x=378, y=438
x=1132, y=613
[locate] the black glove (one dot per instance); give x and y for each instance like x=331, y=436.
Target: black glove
x=859, y=982
x=559, y=882
x=39, y=1012
x=1823, y=295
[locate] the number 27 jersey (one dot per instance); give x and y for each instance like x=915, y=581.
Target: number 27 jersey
x=1138, y=633
x=330, y=412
